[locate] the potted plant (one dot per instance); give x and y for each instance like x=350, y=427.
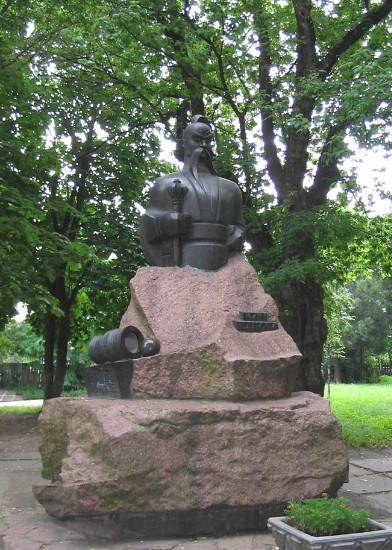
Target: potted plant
x=328, y=523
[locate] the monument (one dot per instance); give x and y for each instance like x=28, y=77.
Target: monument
x=212, y=440
x=194, y=216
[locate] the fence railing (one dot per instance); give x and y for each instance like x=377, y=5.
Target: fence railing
x=20, y=374
x=385, y=369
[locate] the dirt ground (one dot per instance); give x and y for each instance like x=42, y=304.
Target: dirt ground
x=18, y=424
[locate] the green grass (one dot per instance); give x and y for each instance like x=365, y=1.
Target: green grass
x=20, y=410
x=365, y=411
x=29, y=392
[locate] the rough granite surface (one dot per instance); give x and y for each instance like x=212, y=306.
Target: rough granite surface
x=120, y=456
x=202, y=354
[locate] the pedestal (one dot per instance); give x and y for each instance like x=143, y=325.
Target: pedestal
x=192, y=466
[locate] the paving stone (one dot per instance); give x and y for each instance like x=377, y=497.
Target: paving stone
x=20, y=465
x=374, y=464
x=19, y=495
x=19, y=455
x=9, y=396
x=382, y=501
x=370, y=483
x=20, y=543
x=356, y=471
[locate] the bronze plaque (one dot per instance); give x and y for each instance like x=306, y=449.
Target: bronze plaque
x=110, y=380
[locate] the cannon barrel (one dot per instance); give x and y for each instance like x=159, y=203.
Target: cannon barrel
x=116, y=345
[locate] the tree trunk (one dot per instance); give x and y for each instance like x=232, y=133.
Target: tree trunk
x=337, y=371
x=361, y=362
x=61, y=356
x=303, y=318
x=48, y=373
x=56, y=341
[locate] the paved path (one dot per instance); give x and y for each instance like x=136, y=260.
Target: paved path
x=25, y=526
x=8, y=395
x=10, y=398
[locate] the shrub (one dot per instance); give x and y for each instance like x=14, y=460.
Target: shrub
x=385, y=379
x=327, y=516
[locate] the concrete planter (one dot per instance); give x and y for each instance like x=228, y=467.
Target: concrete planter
x=289, y=538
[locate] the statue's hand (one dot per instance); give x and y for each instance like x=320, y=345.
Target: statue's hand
x=173, y=224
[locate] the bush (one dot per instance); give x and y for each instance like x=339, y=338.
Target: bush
x=385, y=379
x=327, y=516
x=28, y=392
x=74, y=380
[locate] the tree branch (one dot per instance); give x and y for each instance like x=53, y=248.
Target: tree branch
x=274, y=166
x=369, y=20
x=306, y=39
x=327, y=168
x=298, y=135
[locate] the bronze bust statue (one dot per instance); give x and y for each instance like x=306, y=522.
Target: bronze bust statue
x=194, y=216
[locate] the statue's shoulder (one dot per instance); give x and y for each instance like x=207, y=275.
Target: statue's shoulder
x=229, y=185
x=164, y=181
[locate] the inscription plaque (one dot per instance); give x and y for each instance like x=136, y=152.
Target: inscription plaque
x=109, y=381
x=254, y=322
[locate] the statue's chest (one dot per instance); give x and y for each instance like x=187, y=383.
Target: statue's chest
x=206, y=197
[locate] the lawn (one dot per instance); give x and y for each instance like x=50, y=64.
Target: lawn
x=365, y=411
x=12, y=409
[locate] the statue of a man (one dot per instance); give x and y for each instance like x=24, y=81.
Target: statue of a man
x=194, y=216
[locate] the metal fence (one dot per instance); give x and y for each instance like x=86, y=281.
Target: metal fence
x=20, y=374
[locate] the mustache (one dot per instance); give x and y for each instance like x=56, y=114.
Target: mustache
x=195, y=156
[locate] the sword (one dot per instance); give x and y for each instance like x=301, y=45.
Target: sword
x=177, y=192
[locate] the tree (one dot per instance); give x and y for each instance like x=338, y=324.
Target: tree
x=338, y=306
x=304, y=69
x=84, y=216
x=20, y=344
x=359, y=327
x=20, y=130
x=371, y=329
x=284, y=84
x=88, y=217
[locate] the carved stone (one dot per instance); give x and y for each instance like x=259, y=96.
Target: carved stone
x=202, y=354
x=120, y=459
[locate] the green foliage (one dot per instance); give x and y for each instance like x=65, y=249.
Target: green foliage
x=327, y=516
x=74, y=378
x=85, y=95
x=338, y=304
x=359, y=326
x=370, y=334
x=74, y=393
x=365, y=411
x=19, y=343
x=385, y=380
x=28, y=392
x=342, y=245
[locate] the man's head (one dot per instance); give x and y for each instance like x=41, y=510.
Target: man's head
x=197, y=140
x=197, y=134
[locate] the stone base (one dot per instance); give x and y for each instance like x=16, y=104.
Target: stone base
x=194, y=315
x=144, y=461
x=213, y=522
